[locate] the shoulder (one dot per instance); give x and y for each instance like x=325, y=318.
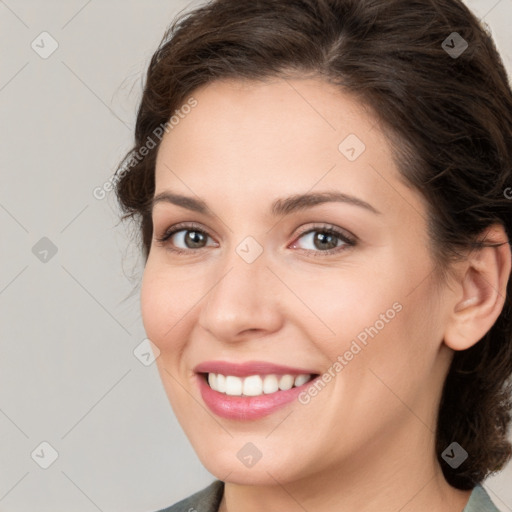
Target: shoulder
x=205, y=500
x=479, y=501
x=209, y=498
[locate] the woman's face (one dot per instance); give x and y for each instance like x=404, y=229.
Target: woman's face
x=263, y=289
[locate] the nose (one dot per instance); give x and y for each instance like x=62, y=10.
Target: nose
x=243, y=300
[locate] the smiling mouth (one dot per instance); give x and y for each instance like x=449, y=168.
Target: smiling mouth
x=255, y=385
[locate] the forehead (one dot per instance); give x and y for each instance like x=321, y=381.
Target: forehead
x=248, y=139
x=257, y=120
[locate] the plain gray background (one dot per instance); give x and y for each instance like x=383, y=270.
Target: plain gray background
x=68, y=373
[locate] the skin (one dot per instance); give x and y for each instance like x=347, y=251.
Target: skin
x=366, y=441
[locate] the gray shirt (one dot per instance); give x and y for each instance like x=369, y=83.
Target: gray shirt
x=209, y=498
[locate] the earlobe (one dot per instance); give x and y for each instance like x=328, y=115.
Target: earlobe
x=481, y=292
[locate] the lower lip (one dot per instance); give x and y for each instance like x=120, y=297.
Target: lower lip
x=246, y=407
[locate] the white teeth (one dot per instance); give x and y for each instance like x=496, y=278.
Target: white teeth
x=221, y=383
x=270, y=384
x=255, y=385
x=233, y=385
x=301, y=379
x=286, y=382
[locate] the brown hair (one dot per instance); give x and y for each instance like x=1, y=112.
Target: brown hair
x=450, y=117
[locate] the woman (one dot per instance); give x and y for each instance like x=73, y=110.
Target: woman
x=321, y=191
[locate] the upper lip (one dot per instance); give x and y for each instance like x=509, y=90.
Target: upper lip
x=249, y=368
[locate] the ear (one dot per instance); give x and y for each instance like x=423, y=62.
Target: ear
x=481, y=291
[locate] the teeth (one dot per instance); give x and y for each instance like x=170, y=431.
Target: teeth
x=286, y=382
x=233, y=385
x=255, y=385
x=301, y=379
x=221, y=383
x=270, y=384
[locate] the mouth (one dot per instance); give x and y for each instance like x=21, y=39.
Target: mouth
x=252, y=390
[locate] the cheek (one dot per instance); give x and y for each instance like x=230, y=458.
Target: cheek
x=361, y=304
x=384, y=318
x=151, y=303
x=162, y=307
x=398, y=361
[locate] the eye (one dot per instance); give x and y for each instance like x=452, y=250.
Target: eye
x=326, y=240
x=189, y=235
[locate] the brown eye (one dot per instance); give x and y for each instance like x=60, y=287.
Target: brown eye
x=183, y=239
x=325, y=240
x=193, y=239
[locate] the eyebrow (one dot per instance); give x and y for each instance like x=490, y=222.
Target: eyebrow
x=282, y=206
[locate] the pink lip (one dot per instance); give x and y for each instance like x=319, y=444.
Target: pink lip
x=249, y=368
x=247, y=407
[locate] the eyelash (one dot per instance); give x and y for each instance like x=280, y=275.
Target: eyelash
x=327, y=229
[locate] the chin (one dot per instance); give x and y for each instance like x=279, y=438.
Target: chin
x=228, y=465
